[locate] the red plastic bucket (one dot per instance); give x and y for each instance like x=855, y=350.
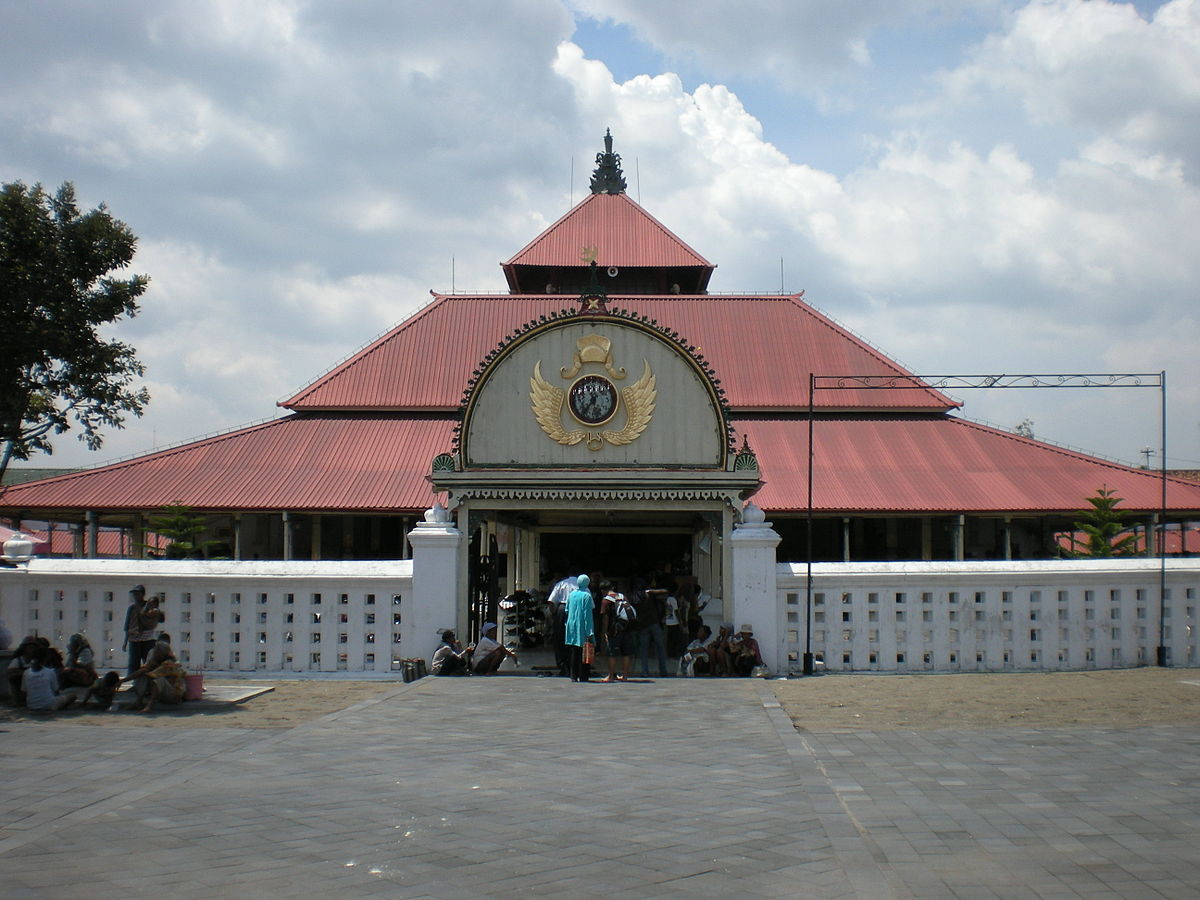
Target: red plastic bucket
x=195, y=687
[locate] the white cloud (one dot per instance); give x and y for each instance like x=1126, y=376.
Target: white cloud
x=1097, y=66
x=803, y=44
x=302, y=174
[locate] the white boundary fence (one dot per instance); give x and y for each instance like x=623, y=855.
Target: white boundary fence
x=988, y=617
x=360, y=617
x=318, y=617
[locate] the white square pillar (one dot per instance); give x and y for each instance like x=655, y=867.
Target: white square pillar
x=755, y=594
x=433, y=604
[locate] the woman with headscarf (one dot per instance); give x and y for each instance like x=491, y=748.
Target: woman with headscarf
x=79, y=669
x=581, y=628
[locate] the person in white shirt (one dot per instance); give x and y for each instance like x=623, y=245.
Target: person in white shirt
x=489, y=652
x=556, y=607
x=40, y=685
x=695, y=659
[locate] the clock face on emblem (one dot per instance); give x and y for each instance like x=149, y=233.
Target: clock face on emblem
x=592, y=399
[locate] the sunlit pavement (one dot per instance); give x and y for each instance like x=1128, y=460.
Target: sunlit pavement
x=530, y=787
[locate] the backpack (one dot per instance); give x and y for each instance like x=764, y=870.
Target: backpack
x=624, y=615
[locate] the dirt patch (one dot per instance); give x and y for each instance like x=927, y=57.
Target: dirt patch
x=1027, y=700
x=291, y=703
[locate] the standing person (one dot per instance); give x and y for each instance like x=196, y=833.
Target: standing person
x=616, y=617
x=557, y=603
x=581, y=627
x=651, y=612
x=142, y=619
x=673, y=623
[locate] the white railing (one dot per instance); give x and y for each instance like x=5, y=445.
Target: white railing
x=329, y=616
x=989, y=616
x=269, y=617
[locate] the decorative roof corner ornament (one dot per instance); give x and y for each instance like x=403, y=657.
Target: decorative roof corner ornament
x=608, y=178
x=746, y=459
x=593, y=301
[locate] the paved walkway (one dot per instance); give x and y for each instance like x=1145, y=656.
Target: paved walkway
x=535, y=787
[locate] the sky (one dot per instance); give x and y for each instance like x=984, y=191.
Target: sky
x=974, y=187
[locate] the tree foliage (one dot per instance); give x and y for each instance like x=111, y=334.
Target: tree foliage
x=56, y=292
x=1105, y=529
x=181, y=526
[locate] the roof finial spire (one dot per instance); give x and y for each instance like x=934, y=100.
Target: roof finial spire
x=608, y=178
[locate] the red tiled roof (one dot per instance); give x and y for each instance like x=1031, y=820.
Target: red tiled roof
x=59, y=542
x=622, y=233
x=937, y=464
x=363, y=463
x=761, y=348
x=909, y=464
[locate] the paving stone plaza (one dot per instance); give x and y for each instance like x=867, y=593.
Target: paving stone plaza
x=536, y=787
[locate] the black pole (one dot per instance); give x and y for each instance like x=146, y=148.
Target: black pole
x=808, y=591
x=1161, y=655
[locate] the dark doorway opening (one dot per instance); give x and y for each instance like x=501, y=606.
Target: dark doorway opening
x=621, y=556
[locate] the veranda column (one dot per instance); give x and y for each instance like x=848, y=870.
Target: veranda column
x=433, y=605
x=93, y=534
x=755, y=597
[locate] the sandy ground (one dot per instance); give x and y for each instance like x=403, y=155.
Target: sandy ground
x=1127, y=697
x=290, y=703
x=1116, y=698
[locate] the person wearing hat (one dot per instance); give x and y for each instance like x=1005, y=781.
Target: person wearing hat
x=743, y=651
x=142, y=619
x=489, y=652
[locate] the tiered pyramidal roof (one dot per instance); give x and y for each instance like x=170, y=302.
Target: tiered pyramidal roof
x=361, y=437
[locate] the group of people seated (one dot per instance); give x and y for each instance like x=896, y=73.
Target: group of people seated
x=481, y=658
x=42, y=677
x=729, y=652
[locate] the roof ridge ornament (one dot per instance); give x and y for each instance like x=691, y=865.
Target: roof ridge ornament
x=608, y=178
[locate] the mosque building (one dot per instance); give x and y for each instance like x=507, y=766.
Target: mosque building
x=609, y=413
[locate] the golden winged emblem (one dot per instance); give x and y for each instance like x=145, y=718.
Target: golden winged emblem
x=592, y=400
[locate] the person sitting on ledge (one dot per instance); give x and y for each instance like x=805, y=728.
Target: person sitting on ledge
x=743, y=652
x=450, y=658
x=160, y=679
x=79, y=670
x=22, y=659
x=489, y=652
x=40, y=684
x=695, y=659
x=103, y=690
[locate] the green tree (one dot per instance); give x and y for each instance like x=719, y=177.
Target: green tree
x=180, y=525
x=1105, y=529
x=56, y=292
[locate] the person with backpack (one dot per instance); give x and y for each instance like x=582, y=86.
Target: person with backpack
x=617, y=617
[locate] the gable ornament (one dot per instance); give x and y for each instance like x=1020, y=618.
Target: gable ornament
x=592, y=399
